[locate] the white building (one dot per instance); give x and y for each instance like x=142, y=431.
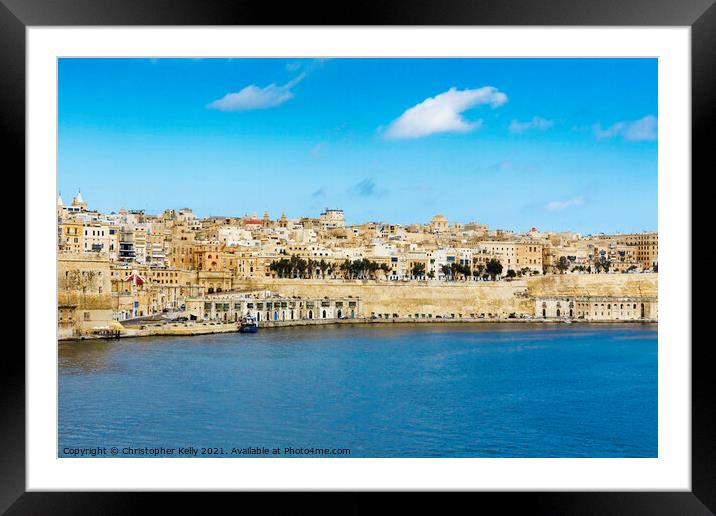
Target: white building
x=233, y=235
x=96, y=238
x=331, y=219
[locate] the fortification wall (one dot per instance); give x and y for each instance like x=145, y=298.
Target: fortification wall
x=84, y=287
x=441, y=298
x=436, y=298
x=602, y=285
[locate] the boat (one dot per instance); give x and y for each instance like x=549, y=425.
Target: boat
x=248, y=324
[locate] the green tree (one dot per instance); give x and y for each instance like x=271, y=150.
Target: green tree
x=494, y=268
x=345, y=269
x=562, y=264
x=323, y=266
x=418, y=270
x=478, y=270
x=605, y=263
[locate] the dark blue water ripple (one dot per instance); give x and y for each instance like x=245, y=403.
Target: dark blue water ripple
x=382, y=391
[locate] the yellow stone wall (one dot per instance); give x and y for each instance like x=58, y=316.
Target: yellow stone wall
x=436, y=298
x=607, y=285
x=84, y=283
x=466, y=298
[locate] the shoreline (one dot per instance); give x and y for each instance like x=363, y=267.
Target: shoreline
x=191, y=330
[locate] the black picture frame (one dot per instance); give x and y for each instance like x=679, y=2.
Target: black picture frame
x=17, y=15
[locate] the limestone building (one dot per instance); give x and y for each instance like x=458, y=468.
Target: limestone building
x=84, y=297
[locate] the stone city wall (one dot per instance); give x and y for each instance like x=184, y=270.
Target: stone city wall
x=440, y=298
x=430, y=298
x=594, y=285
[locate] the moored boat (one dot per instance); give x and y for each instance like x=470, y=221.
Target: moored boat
x=248, y=324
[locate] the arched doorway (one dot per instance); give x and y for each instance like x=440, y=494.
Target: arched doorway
x=258, y=316
x=339, y=314
x=544, y=312
x=558, y=312
x=643, y=312
x=275, y=316
x=324, y=314
x=310, y=314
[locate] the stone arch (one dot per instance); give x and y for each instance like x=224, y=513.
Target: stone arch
x=310, y=314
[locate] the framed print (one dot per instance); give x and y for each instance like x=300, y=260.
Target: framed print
x=396, y=251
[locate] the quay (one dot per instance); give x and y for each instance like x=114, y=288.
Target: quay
x=189, y=329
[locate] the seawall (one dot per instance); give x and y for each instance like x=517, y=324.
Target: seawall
x=470, y=298
x=188, y=330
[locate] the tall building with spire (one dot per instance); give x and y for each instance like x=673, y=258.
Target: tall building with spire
x=79, y=202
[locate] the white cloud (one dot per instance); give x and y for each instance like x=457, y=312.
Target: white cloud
x=536, y=123
x=253, y=97
x=563, y=205
x=644, y=129
x=443, y=113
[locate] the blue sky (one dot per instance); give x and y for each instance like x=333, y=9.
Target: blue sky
x=554, y=143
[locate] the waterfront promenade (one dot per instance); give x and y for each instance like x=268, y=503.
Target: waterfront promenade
x=168, y=329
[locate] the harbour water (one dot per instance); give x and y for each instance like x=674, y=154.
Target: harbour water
x=473, y=390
